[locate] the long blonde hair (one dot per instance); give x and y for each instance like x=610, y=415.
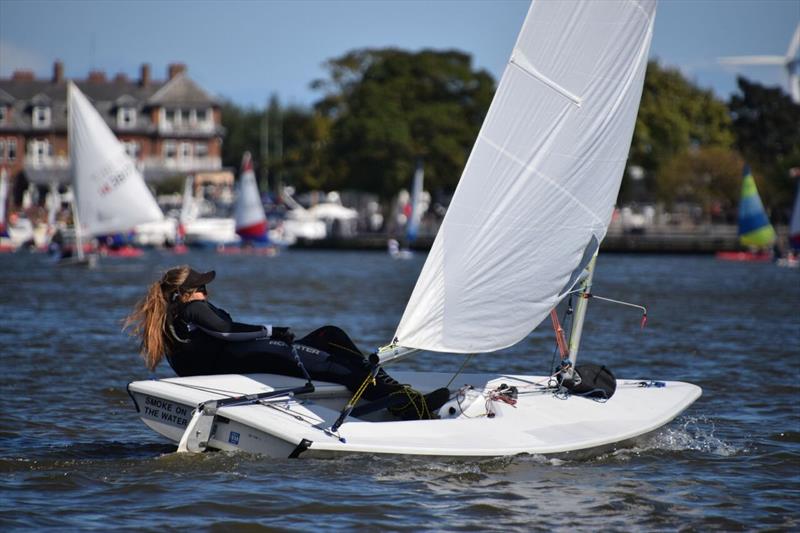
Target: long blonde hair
x=149, y=319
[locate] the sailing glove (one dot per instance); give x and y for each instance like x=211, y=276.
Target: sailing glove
x=283, y=334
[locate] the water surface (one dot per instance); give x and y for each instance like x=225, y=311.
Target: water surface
x=74, y=455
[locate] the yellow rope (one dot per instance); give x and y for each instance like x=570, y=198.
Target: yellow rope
x=416, y=399
x=357, y=395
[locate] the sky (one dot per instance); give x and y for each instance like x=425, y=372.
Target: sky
x=246, y=50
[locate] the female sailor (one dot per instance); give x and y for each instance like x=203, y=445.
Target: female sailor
x=175, y=320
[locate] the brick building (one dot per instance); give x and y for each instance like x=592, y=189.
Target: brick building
x=170, y=127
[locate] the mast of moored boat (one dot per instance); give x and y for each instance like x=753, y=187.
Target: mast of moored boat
x=580, y=313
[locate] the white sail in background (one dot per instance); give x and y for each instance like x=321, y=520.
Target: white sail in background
x=794, y=223
x=251, y=222
x=188, y=205
x=538, y=190
x=3, y=199
x=416, y=204
x=110, y=193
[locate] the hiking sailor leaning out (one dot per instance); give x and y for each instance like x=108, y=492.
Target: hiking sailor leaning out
x=176, y=320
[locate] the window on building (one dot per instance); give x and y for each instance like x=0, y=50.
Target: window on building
x=169, y=116
x=132, y=148
x=169, y=150
x=2, y=150
x=202, y=115
x=3, y=114
x=12, y=150
x=39, y=150
x=201, y=150
x=126, y=117
x=185, y=117
x=41, y=117
x=185, y=151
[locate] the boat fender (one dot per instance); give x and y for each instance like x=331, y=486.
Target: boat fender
x=467, y=403
x=592, y=381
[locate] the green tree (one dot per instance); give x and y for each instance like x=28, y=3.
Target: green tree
x=674, y=115
x=767, y=127
x=708, y=176
x=242, y=133
x=388, y=108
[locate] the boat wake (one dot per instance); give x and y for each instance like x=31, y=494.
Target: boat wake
x=691, y=433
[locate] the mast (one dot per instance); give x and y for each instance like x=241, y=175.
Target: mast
x=580, y=312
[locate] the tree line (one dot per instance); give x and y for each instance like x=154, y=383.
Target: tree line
x=381, y=110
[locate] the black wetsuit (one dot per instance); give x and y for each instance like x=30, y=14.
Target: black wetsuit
x=327, y=353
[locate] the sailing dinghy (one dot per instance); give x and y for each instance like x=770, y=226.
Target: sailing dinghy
x=791, y=258
x=414, y=218
x=521, y=235
x=755, y=230
x=248, y=212
x=110, y=193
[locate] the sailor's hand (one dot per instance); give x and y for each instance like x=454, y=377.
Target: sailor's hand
x=283, y=334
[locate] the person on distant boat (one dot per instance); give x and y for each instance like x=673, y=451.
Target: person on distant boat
x=175, y=320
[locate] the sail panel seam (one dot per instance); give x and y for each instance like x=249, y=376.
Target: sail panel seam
x=525, y=66
x=598, y=221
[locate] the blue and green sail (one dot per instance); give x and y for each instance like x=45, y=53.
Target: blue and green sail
x=755, y=231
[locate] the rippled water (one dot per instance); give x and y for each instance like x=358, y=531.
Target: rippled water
x=74, y=455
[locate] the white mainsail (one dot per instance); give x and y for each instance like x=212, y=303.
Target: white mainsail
x=538, y=190
x=110, y=193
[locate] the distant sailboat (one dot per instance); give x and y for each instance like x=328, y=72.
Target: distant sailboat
x=413, y=218
x=5, y=244
x=792, y=257
x=794, y=224
x=251, y=221
x=110, y=193
x=755, y=231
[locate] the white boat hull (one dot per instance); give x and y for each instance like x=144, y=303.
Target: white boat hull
x=540, y=422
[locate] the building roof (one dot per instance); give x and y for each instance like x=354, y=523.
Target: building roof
x=24, y=92
x=181, y=90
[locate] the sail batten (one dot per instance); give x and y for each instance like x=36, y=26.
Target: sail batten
x=538, y=189
x=520, y=61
